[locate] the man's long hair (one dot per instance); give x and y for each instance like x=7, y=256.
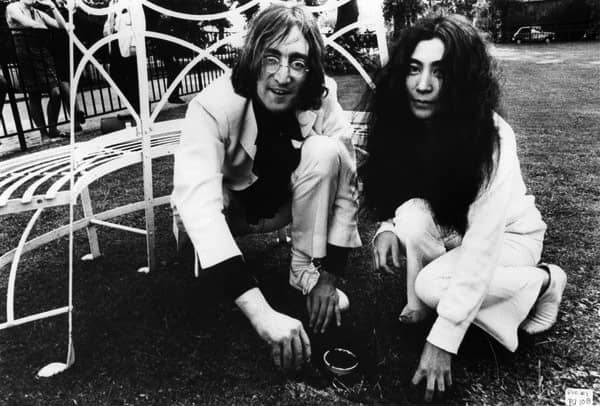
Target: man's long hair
x=449, y=165
x=268, y=29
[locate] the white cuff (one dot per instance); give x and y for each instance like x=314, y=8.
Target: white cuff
x=446, y=335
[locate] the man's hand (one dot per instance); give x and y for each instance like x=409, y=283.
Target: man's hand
x=322, y=303
x=435, y=366
x=386, y=243
x=290, y=346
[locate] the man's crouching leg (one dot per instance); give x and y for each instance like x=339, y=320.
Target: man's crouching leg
x=314, y=186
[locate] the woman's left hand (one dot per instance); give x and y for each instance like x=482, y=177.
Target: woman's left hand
x=435, y=366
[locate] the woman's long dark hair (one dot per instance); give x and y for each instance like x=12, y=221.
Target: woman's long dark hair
x=450, y=164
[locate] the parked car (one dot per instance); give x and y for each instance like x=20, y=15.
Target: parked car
x=533, y=33
x=591, y=34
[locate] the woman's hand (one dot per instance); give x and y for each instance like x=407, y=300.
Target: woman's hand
x=386, y=243
x=435, y=366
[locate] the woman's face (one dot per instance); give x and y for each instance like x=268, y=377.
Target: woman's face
x=425, y=78
x=28, y=2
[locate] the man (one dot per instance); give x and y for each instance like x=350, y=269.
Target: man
x=260, y=148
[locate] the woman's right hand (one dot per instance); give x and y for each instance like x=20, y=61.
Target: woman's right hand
x=384, y=245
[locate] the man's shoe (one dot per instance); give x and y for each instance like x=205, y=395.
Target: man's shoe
x=343, y=301
x=545, y=310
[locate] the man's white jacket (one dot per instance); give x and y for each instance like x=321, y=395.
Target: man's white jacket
x=217, y=150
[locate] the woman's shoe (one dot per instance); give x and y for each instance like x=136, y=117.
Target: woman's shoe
x=545, y=310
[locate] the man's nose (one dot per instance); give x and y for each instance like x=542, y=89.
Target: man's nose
x=282, y=75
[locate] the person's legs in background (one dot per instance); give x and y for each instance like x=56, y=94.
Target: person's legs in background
x=52, y=111
x=3, y=91
x=124, y=73
x=65, y=91
x=172, y=68
x=37, y=112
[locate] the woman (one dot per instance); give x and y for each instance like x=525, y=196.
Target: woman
x=36, y=64
x=457, y=207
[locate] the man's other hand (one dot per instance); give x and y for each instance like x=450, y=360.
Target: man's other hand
x=289, y=342
x=322, y=304
x=290, y=345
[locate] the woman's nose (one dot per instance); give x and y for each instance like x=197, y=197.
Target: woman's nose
x=424, y=84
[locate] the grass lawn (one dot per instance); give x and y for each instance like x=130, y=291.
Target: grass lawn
x=165, y=338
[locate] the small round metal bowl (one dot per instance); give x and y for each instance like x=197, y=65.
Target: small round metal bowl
x=340, y=361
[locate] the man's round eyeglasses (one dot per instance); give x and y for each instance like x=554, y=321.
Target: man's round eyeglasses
x=297, y=68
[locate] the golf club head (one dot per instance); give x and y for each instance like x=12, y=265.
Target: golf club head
x=52, y=369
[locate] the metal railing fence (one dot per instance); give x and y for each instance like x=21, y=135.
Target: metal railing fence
x=32, y=63
x=28, y=70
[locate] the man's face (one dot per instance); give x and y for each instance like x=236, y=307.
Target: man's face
x=425, y=78
x=278, y=86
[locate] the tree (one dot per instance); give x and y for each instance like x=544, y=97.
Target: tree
x=184, y=29
x=482, y=16
x=402, y=13
x=498, y=15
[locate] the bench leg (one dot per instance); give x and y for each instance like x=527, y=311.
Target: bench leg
x=92, y=234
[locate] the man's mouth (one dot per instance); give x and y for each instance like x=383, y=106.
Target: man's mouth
x=280, y=92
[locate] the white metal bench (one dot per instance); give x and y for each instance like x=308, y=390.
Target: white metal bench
x=38, y=181
x=61, y=175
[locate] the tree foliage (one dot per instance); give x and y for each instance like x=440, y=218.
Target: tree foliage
x=402, y=13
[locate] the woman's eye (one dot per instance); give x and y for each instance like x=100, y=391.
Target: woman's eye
x=412, y=69
x=438, y=73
